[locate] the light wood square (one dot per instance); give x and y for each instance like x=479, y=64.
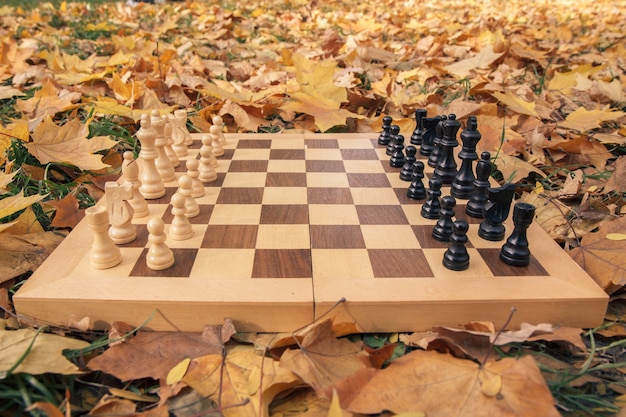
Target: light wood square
x=396, y=182
x=333, y=214
x=374, y=196
x=236, y=214
x=477, y=269
x=327, y=179
x=227, y=263
x=129, y=258
x=413, y=215
x=329, y=264
x=285, y=195
x=322, y=154
x=286, y=165
x=479, y=242
x=355, y=143
x=210, y=195
x=244, y=179
x=154, y=210
x=223, y=165
x=283, y=236
x=389, y=236
x=287, y=141
x=363, y=166
x=251, y=154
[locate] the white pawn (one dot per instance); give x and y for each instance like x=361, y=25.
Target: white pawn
x=192, y=209
x=169, y=150
x=207, y=172
x=197, y=189
x=180, y=229
x=120, y=212
x=130, y=174
x=218, y=149
x=104, y=253
x=207, y=142
x=218, y=122
x=159, y=256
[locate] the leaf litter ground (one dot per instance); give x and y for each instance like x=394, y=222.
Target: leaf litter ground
x=546, y=82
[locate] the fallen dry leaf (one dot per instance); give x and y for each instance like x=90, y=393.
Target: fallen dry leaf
x=66, y=212
x=439, y=384
x=24, y=253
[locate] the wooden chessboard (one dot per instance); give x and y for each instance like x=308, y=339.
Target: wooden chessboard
x=294, y=223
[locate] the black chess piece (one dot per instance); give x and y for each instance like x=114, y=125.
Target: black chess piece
x=385, y=136
x=394, y=131
x=397, y=156
x=495, y=212
x=443, y=228
x=430, y=208
x=463, y=183
x=416, y=190
x=456, y=257
x=474, y=207
x=446, y=164
x=428, y=136
x=515, y=251
x=406, y=173
x=436, y=153
x=416, y=137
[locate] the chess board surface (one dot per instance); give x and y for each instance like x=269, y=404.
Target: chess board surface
x=294, y=223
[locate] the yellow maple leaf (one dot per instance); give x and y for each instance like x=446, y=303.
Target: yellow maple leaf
x=127, y=92
x=516, y=103
x=325, y=112
x=68, y=144
x=15, y=203
x=582, y=119
x=316, y=79
x=481, y=60
x=48, y=101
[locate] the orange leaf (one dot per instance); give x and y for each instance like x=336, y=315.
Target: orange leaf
x=582, y=119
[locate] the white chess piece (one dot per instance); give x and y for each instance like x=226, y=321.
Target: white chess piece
x=197, y=189
x=218, y=149
x=218, y=122
x=180, y=229
x=120, y=212
x=163, y=164
x=181, y=115
x=178, y=134
x=159, y=256
x=192, y=209
x=130, y=175
x=169, y=150
x=207, y=172
x=152, y=186
x=104, y=253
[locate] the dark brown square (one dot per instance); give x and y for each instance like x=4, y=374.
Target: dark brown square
x=141, y=240
x=322, y=195
x=254, y=144
x=296, y=154
x=337, y=237
x=183, y=262
x=402, y=197
x=285, y=179
x=359, y=154
x=325, y=166
x=499, y=268
x=282, y=263
x=230, y=236
x=218, y=182
x=240, y=195
x=381, y=214
x=203, y=218
x=165, y=199
x=285, y=214
x=368, y=180
x=459, y=213
x=399, y=263
x=248, y=166
x=321, y=143
x=423, y=233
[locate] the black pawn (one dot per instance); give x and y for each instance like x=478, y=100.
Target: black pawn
x=463, y=183
x=474, y=207
x=456, y=257
x=394, y=131
x=443, y=228
x=406, y=173
x=385, y=136
x=397, y=156
x=416, y=190
x=436, y=153
x=428, y=136
x=446, y=164
x=430, y=208
x=416, y=137
x=515, y=251
x=496, y=212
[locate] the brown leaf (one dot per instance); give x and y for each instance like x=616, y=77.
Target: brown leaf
x=153, y=354
x=67, y=213
x=439, y=384
x=323, y=359
x=604, y=258
x=617, y=181
x=24, y=253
